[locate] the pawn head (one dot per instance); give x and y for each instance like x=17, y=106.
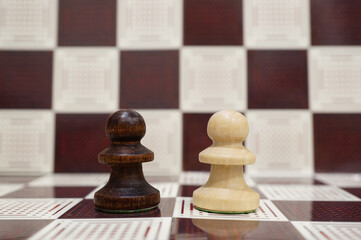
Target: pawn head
x=227, y=126
x=125, y=125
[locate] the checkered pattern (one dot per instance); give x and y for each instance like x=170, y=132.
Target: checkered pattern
x=60, y=206
x=293, y=67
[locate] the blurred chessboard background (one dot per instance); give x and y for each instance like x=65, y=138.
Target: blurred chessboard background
x=293, y=67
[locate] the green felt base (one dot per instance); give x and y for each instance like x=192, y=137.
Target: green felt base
x=221, y=212
x=127, y=211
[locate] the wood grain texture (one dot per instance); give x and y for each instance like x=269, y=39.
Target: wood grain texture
x=337, y=142
x=127, y=190
x=335, y=22
x=320, y=211
x=226, y=190
x=149, y=79
x=26, y=79
x=87, y=23
x=221, y=229
x=228, y=129
x=213, y=22
x=277, y=79
x=195, y=139
x=79, y=139
x=125, y=129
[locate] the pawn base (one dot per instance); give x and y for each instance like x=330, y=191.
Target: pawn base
x=221, y=212
x=127, y=211
x=127, y=191
x=220, y=200
x=106, y=201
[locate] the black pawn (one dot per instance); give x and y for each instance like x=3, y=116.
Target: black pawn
x=127, y=190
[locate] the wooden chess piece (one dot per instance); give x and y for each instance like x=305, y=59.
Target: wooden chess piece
x=127, y=190
x=226, y=191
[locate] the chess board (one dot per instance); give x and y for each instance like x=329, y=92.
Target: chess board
x=293, y=67
x=60, y=206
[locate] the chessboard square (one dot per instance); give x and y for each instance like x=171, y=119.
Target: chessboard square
x=6, y=188
x=50, y=192
x=335, y=74
x=70, y=180
x=195, y=140
x=347, y=180
x=26, y=141
x=164, y=138
x=149, y=24
x=35, y=208
x=282, y=142
x=149, y=79
x=267, y=211
x=79, y=139
x=20, y=229
x=221, y=229
x=329, y=211
x=86, y=80
x=343, y=16
x=25, y=79
x=276, y=24
x=328, y=230
x=28, y=24
x=337, y=139
x=213, y=22
x=277, y=79
x=87, y=23
x=300, y=192
x=82, y=229
x=213, y=78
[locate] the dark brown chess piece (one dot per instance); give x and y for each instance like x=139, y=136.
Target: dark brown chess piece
x=127, y=190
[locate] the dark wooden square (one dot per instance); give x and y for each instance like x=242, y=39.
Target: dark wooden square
x=277, y=79
x=354, y=191
x=195, y=140
x=336, y=22
x=50, y=192
x=79, y=139
x=337, y=142
x=87, y=23
x=320, y=211
x=213, y=22
x=26, y=79
x=204, y=228
x=149, y=79
x=86, y=209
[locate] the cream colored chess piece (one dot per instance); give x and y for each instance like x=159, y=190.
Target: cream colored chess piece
x=226, y=191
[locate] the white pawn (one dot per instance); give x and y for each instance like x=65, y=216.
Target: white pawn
x=226, y=191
